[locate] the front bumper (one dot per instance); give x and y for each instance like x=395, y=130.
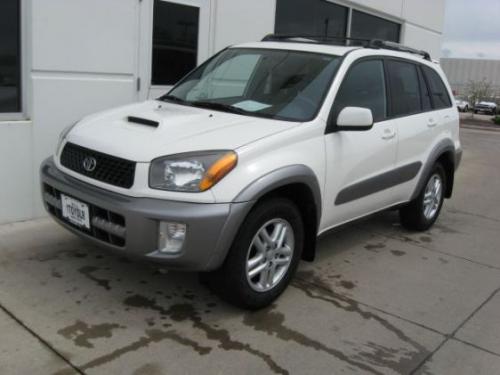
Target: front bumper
x=129, y=225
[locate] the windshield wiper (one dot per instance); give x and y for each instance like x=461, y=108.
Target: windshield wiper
x=173, y=98
x=219, y=106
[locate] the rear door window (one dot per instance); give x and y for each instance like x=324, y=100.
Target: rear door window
x=439, y=93
x=364, y=86
x=404, y=88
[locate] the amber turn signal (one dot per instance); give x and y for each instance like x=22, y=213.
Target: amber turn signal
x=218, y=170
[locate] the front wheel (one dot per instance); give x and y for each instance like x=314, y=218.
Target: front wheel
x=421, y=213
x=263, y=257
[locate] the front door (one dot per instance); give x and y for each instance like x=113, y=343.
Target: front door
x=174, y=40
x=360, y=164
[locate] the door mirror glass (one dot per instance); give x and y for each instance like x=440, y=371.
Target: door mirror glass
x=355, y=118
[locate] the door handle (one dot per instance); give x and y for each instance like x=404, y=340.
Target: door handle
x=388, y=134
x=431, y=123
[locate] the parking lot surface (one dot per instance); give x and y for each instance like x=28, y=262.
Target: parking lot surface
x=378, y=300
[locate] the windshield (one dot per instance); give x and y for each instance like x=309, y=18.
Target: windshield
x=287, y=85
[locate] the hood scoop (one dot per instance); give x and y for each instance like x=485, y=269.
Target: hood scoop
x=143, y=121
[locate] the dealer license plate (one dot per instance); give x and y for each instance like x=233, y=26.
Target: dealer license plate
x=75, y=212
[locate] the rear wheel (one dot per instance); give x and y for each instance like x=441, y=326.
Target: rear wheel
x=263, y=257
x=421, y=213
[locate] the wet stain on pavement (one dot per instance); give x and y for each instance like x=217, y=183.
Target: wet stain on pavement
x=375, y=247
x=314, y=287
x=82, y=334
x=88, y=272
x=398, y=253
x=186, y=312
x=55, y=273
x=272, y=323
x=149, y=369
x=425, y=239
x=151, y=336
x=347, y=284
x=443, y=261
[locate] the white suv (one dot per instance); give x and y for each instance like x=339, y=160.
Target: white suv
x=238, y=169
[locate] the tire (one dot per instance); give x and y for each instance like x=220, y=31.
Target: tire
x=475, y=112
x=418, y=216
x=466, y=109
x=232, y=282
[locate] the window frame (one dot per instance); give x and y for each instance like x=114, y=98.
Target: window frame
x=22, y=115
x=429, y=89
x=417, y=68
x=332, y=121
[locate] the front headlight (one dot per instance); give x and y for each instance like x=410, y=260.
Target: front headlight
x=191, y=172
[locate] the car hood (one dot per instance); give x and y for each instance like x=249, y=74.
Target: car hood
x=180, y=129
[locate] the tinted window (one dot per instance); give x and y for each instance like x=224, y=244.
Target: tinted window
x=10, y=57
x=405, y=89
x=175, y=41
x=364, y=86
x=424, y=92
x=370, y=27
x=310, y=17
x=439, y=93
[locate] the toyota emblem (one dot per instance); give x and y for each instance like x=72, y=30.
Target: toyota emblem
x=89, y=164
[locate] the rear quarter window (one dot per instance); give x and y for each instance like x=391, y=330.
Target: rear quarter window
x=439, y=93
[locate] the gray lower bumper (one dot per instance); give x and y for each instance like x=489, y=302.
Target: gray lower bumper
x=129, y=225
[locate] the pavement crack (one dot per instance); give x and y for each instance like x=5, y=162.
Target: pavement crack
x=452, y=335
x=45, y=343
x=88, y=272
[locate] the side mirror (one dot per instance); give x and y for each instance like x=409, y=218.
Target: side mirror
x=355, y=119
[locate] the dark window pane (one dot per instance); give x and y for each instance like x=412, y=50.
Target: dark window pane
x=366, y=26
x=424, y=90
x=439, y=93
x=310, y=17
x=405, y=89
x=175, y=41
x=364, y=87
x=10, y=57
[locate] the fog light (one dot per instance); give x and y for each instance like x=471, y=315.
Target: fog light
x=171, y=237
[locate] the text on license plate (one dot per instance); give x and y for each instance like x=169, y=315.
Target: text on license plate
x=75, y=212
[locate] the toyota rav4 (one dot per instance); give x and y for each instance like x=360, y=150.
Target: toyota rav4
x=237, y=169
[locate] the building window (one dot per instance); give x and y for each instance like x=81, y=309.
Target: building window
x=175, y=41
x=10, y=57
x=366, y=26
x=311, y=17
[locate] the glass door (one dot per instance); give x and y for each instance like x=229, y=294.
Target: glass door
x=178, y=41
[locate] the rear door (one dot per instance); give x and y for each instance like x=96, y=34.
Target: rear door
x=419, y=118
x=359, y=163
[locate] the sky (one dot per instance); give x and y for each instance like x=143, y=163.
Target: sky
x=472, y=29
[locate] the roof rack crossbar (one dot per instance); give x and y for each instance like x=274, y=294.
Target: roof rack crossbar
x=345, y=41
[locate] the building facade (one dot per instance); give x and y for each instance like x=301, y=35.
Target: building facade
x=461, y=72
x=61, y=60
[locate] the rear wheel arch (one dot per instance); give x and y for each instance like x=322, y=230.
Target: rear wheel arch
x=445, y=154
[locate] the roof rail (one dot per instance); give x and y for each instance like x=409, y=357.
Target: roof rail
x=316, y=39
x=384, y=44
x=345, y=41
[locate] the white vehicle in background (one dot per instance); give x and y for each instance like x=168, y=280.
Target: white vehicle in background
x=462, y=105
x=238, y=169
x=489, y=108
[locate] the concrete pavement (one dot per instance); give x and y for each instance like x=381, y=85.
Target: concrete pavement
x=378, y=300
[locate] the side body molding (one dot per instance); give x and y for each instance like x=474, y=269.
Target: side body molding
x=447, y=147
x=292, y=174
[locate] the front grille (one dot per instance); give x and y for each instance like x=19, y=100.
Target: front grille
x=106, y=226
x=109, y=169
